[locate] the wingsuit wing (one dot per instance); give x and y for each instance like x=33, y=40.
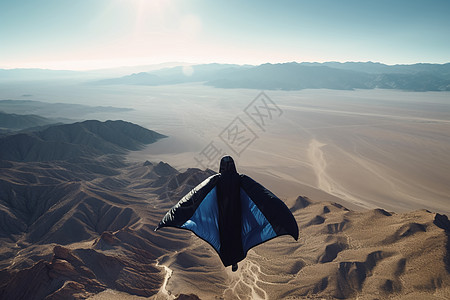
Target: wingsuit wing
x=198, y=212
x=263, y=217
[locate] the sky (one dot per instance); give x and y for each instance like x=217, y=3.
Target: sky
x=94, y=34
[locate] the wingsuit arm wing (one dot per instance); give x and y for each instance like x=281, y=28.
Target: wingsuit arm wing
x=265, y=216
x=197, y=212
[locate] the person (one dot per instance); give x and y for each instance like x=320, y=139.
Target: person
x=231, y=212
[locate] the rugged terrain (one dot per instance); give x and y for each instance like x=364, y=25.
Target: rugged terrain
x=81, y=229
x=67, y=231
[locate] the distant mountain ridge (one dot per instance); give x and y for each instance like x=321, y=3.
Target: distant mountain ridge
x=297, y=76
x=281, y=76
x=379, y=68
x=62, y=112
x=175, y=75
x=17, y=122
x=35, y=74
x=293, y=76
x=346, y=76
x=76, y=141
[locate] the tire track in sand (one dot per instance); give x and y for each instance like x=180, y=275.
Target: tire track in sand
x=324, y=181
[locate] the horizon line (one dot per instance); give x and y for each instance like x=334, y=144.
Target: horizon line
x=171, y=64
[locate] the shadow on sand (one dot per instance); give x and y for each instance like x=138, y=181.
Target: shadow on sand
x=442, y=221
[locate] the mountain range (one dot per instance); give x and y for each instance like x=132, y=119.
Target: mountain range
x=176, y=75
x=281, y=76
x=76, y=141
x=13, y=122
x=57, y=112
x=297, y=76
x=68, y=233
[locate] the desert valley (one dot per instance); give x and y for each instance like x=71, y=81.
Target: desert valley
x=364, y=172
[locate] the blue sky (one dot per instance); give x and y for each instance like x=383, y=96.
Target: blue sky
x=89, y=34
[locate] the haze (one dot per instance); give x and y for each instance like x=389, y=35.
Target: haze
x=81, y=35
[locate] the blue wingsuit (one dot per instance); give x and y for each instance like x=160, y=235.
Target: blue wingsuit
x=231, y=212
